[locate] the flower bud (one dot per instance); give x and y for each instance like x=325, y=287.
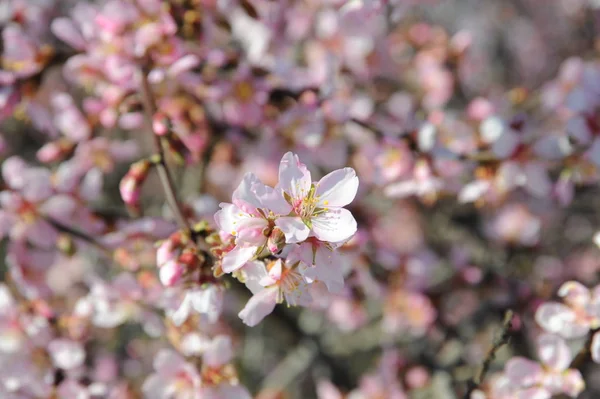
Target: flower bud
x=130, y=186
x=55, y=150
x=160, y=124
x=165, y=252
x=276, y=241
x=171, y=273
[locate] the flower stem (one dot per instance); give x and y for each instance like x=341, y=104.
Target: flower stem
x=499, y=342
x=161, y=165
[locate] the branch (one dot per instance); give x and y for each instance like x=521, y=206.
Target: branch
x=80, y=235
x=499, y=342
x=161, y=164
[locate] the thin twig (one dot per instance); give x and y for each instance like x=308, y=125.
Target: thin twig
x=80, y=235
x=500, y=341
x=161, y=164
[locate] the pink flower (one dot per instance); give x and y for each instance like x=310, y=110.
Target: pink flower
x=317, y=207
x=250, y=220
x=206, y=300
x=574, y=318
x=552, y=376
x=173, y=378
x=270, y=285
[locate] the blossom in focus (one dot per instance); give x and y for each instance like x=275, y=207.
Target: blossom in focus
x=318, y=208
x=250, y=220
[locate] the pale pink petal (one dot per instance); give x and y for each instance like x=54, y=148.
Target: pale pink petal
x=293, y=228
x=326, y=390
x=250, y=232
x=259, y=306
x=572, y=383
x=183, y=311
x=219, y=352
x=255, y=273
x=42, y=234
x=533, y=393
x=338, y=188
x=183, y=64
x=245, y=196
x=294, y=177
x=208, y=301
x=237, y=257
x=554, y=352
x=38, y=185
x=274, y=272
x=538, y=181
x=229, y=217
x=559, y=319
x=523, y=372
x=574, y=293
x=474, y=190
x=65, y=30
x=66, y=354
x=168, y=361
x=271, y=199
x=331, y=276
x=336, y=225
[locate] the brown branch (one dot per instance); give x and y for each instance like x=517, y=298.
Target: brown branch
x=161, y=164
x=499, y=342
x=79, y=235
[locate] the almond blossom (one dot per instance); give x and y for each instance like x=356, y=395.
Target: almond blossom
x=318, y=208
x=271, y=284
x=250, y=220
x=524, y=378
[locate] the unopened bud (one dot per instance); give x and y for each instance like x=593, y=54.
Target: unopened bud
x=171, y=273
x=190, y=259
x=160, y=124
x=276, y=241
x=165, y=252
x=55, y=150
x=131, y=184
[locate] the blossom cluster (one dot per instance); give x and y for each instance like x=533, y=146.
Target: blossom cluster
x=281, y=241
x=171, y=171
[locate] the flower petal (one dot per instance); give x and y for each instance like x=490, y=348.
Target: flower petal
x=554, y=352
x=294, y=177
x=293, y=228
x=559, y=319
x=523, y=372
x=259, y=306
x=229, y=217
x=574, y=293
x=334, y=226
x=237, y=258
x=338, y=188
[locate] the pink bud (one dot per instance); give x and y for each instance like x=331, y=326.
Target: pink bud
x=171, y=272
x=130, y=191
x=130, y=185
x=276, y=241
x=54, y=151
x=160, y=124
x=165, y=252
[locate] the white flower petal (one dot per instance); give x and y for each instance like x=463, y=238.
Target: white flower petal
x=334, y=226
x=338, y=188
x=259, y=306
